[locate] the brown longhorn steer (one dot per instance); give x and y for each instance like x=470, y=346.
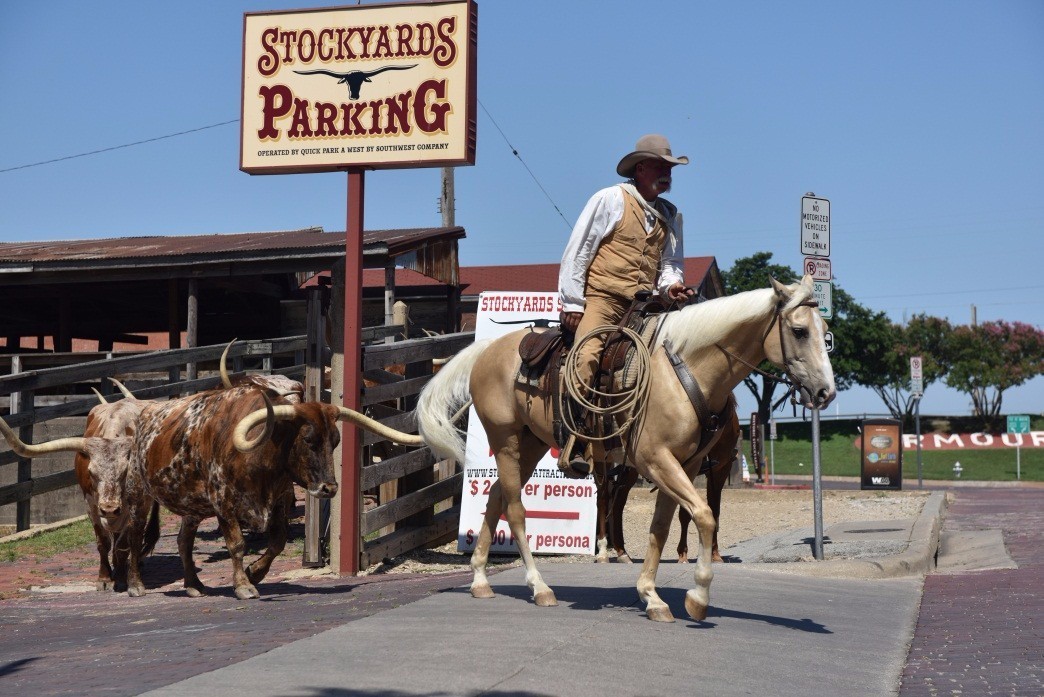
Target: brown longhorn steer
x=102, y=465
x=193, y=456
x=101, y=471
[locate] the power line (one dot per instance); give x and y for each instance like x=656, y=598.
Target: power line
x=118, y=147
x=515, y=153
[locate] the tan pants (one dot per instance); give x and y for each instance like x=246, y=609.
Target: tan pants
x=599, y=310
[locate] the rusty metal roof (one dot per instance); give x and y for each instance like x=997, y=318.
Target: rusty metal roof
x=218, y=245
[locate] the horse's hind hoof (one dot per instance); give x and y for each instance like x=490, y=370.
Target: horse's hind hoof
x=660, y=614
x=545, y=599
x=623, y=559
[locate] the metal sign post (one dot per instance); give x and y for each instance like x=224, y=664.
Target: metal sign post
x=917, y=388
x=815, y=247
x=1018, y=423
x=817, y=489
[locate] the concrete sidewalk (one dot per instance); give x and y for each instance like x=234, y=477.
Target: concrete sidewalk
x=775, y=626
x=766, y=633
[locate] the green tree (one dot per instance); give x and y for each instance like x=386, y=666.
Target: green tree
x=989, y=358
x=884, y=366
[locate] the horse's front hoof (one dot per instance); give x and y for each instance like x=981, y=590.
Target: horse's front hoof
x=247, y=592
x=623, y=559
x=136, y=590
x=483, y=591
x=715, y=557
x=660, y=614
x=104, y=584
x=696, y=609
x=683, y=558
x=545, y=599
x=602, y=559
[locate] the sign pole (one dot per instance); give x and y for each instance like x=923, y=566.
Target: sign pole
x=917, y=421
x=817, y=489
x=351, y=445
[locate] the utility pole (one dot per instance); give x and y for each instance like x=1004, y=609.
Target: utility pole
x=446, y=201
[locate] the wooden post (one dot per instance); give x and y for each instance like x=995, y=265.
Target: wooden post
x=350, y=542
x=389, y=297
x=317, y=512
x=192, y=324
x=23, y=401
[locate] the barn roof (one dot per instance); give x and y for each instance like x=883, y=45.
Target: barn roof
x=699, y=271
x=35, y=263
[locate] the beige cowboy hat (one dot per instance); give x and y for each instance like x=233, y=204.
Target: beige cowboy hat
x=649, y=147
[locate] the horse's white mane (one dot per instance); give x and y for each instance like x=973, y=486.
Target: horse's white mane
x=696, y=326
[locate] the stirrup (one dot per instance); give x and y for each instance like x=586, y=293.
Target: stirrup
x=573, y=466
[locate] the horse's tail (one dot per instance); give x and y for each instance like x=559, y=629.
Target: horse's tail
x=442, y=398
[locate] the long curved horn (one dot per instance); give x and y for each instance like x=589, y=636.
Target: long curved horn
x=100, y=397
x=54, y=446
x=269, y=415
x=400, y=437
x=221, y=366
x=123, y=388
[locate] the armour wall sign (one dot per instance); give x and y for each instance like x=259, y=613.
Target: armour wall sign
x=371, y=86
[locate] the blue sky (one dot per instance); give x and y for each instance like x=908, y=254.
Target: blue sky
x=921, y=122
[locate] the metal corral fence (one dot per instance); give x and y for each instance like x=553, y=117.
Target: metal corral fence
x=413, y=500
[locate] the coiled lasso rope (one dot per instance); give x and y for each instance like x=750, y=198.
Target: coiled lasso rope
x=630, y=402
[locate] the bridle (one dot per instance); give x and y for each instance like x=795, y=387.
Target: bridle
x=792, y=383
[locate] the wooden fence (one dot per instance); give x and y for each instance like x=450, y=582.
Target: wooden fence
x=415, y=499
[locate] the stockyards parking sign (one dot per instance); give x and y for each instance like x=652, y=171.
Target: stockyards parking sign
x=370, y=86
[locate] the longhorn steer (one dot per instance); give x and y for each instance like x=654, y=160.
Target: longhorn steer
x=101, y=471
x=102, y=466
x=185, y=458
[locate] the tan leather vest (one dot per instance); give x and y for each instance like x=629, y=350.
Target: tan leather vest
x=628, y=260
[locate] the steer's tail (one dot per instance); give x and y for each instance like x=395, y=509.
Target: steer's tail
x=442, y=398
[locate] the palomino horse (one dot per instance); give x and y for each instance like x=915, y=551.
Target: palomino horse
x=612, y=497
x=720, y=342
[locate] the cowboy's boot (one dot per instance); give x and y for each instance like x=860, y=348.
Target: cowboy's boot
x=575, y=460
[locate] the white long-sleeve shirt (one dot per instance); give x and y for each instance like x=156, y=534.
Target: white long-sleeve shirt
x=601, y=214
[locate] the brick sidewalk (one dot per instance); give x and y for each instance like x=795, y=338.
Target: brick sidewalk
x=982, y=633
x=90, y=643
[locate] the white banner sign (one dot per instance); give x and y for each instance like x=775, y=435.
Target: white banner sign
x=561, y=513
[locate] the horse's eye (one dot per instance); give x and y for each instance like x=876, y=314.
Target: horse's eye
x=799, y=332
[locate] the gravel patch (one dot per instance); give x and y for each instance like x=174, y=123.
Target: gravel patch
x=746, y=514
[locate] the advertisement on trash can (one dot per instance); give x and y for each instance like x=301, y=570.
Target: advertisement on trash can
x=881, y=461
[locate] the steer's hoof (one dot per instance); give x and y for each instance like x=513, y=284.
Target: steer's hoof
x=247, y=592
x=696, y=609
x=545, y=599
x=482, y=591
x=197, y=590
x=660, y=614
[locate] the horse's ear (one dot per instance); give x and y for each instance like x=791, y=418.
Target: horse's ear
x=781, y=290
x=806, y=281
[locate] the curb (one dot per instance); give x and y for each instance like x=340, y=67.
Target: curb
x=917, y=559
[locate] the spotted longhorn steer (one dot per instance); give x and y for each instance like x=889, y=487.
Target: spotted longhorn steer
x=185, y=458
